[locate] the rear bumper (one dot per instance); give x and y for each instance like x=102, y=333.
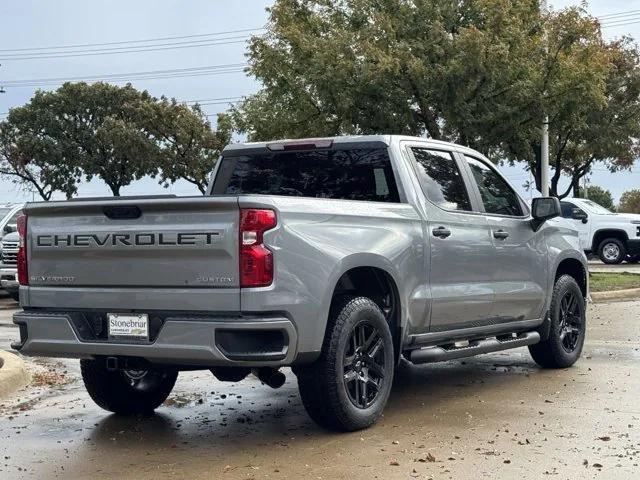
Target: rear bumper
x=8, y=279
x=181, y=340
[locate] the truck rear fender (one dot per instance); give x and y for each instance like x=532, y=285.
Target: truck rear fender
x=373, y=276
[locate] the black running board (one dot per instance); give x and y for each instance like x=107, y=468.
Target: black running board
x=475, y=347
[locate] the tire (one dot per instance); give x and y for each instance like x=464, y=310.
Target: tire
x=612, y=251
x=15, y=295
x=347, y=388
x=560, y=350
x=633, y=259
x=127, y=392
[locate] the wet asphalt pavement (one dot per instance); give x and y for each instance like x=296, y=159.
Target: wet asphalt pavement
x=492, y=416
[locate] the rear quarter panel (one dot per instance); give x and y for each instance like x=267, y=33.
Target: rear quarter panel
x=317, y=240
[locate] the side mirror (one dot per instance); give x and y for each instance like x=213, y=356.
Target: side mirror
x=8, y=229
x=543, y=209
x=578, y=214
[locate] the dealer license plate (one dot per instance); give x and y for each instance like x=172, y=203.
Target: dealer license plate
x=129, y=326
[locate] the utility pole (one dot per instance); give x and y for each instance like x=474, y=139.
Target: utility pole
x=585, y=181
x=544, y=147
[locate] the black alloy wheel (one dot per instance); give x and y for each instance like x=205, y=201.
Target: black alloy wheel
x=364, y=364
x=570, y=321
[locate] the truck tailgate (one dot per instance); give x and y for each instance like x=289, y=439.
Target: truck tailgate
x=141, y=242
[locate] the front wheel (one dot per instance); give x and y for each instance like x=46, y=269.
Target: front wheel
x=612, y=251
x=127, y=392
x=567, y=316
x=347, y=388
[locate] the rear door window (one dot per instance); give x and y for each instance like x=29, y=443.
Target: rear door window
x=352, y=174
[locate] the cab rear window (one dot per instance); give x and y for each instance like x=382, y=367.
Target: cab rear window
x=353, y=174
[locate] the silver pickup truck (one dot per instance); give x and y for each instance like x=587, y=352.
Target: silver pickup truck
x=334, y=256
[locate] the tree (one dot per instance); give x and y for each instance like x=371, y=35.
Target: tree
x=118, y=134
x=630, y=202
x=34, y=165
x=189, y=149
x=96, y=128
x=600, y=196
x=474, y=71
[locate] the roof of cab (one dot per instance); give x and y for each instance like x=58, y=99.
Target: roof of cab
x=358, y=139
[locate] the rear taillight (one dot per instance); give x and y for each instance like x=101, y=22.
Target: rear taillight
x=23, y=274
x=256, y=260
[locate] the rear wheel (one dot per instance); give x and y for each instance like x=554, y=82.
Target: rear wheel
x=15, y=295
x=568, y=326
x=348, y=387
x=127, y=392
x=612, y=251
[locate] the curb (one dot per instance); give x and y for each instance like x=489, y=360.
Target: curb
x=13, y=373
x=629, y=294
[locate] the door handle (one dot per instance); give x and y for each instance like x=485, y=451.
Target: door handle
x=500, y=234
x=441, y=232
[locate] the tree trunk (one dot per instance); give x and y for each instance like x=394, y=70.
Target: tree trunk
x=577, y=191
x=536, y=168
x=115, y=189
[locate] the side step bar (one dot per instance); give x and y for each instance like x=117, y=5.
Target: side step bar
x=475, y=347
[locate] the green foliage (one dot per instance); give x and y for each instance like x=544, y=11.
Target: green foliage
x=93, y=128
x=34, y=163
x=474, y=71
x=630, y=202
x=118, y=134
x=600, y=196
x=189, y=148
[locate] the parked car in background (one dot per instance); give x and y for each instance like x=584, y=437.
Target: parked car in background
x=8, y=219
x=333, y=256
x=614, y=237
x=9, y=264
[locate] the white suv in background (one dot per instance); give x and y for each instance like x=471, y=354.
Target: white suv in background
x=614, y=237
x=8, y=217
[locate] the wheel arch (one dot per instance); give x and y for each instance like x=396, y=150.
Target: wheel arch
x=600, y=235
x=373, y=277
x=576, y=269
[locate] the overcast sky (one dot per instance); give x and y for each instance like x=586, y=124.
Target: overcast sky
x=33, y=24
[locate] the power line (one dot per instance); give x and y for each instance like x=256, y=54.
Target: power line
x=122, y=49
x=149, y=48
x=221, y=103
x=203, y=102
x=621, y=24
x=619, y=14
x=132, y=76
x=620, y=20
x=158, y=77
x=127, y=74
x=123, y=42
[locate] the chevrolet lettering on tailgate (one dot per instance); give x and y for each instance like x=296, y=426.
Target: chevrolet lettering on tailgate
x=128, y=239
